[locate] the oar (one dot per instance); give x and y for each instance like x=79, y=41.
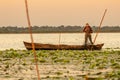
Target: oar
x=30, y=31
x=99, y=26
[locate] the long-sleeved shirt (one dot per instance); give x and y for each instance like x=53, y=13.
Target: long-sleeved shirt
x=87, y=30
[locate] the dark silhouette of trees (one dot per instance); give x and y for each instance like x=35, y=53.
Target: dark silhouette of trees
x=55, y=29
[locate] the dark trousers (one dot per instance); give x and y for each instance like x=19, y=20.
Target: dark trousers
x=88, y=36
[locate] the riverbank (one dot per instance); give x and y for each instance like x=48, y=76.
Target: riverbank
x=52, y=32
x=60, y=65
x=56, y=29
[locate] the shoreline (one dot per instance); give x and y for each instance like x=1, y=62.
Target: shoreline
x=55, y=32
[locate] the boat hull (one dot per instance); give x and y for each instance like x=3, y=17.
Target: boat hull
x=40, y=46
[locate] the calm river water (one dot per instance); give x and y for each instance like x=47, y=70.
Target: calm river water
x=15, y=41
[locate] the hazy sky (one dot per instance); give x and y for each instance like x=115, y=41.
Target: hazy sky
x=60, y=12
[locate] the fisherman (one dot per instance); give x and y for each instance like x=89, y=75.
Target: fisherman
x=88, y=30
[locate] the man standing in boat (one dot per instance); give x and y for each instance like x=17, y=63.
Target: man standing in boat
x=88, y=30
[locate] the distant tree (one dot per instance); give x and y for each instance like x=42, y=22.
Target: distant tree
x=50, y=29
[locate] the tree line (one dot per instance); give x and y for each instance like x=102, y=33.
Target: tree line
x=55, y=29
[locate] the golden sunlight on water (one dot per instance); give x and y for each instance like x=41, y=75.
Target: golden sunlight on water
x=15, y=41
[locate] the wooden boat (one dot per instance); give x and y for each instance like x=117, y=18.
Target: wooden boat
x=40, y=46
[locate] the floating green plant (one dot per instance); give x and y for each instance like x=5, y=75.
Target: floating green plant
x=67, y=60
x=59, y=73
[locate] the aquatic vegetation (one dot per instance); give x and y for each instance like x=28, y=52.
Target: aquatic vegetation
x=65, y=64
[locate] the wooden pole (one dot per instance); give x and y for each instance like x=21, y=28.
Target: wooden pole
x=33, y=46
x=100, y=26
x=59, y=40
